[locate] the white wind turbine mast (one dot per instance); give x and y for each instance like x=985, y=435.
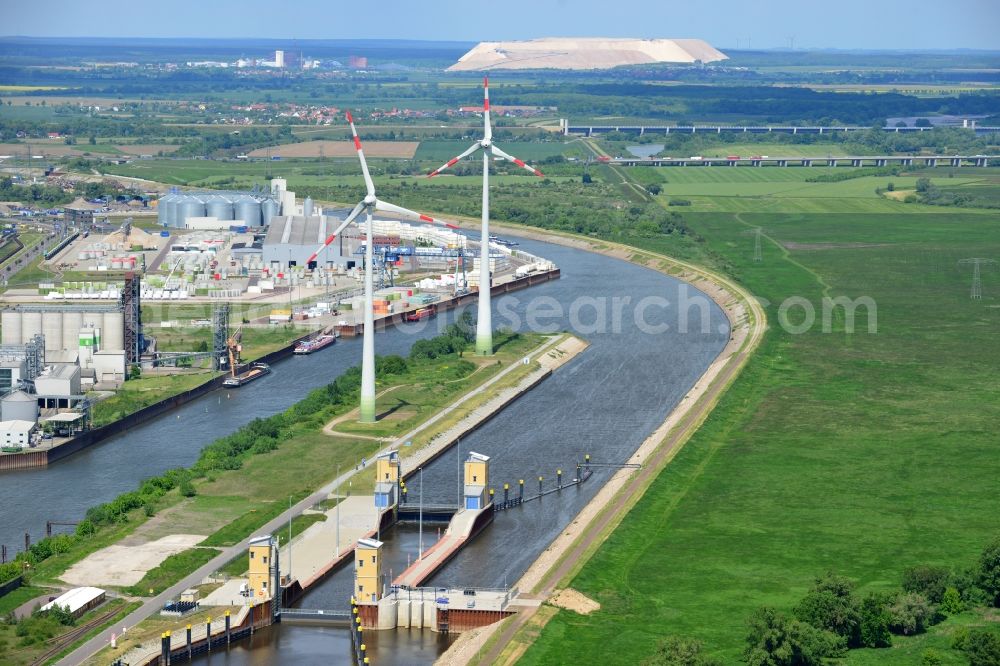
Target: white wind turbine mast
x=369, y=204
x=484, y=323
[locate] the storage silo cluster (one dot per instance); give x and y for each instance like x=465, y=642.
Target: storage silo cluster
x=61, y=325
x=253, y=209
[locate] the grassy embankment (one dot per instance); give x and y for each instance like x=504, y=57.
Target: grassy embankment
x=854, y=453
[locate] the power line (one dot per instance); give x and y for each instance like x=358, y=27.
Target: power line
x=976, y=293
x=758, y=255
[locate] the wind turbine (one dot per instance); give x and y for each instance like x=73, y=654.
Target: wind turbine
x=484, y=323
x=369, y=204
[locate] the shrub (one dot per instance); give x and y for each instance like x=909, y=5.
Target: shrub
x=679, y=202
x=679, y=651
x=831, y=605
x=989, y=571
x=930, y=657
x=910, y=614
x=927, y=580
x=951, y=602
x=874, y=621
x=775, y=640
x=982, y=648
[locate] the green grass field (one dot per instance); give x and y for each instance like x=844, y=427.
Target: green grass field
x=529, y=151
x=856, y=453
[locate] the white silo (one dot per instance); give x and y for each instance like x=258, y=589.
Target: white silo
x=72, y=323
x=114, y=331
x=19, y=406
x=52, y=329
x=166, y=210
x=248, y=210
x=10, y=320
x=191, y=206
x=219, y=206
x=31, y=325
x=270, y=208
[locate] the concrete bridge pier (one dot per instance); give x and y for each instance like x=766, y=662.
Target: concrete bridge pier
x=807, y=163
x=831, y=163
x=795, y=130
x=880, y=163
x=907, y=161
x=855, y=163
x=956, y=161
x=931, y=162
x=756, y=163
x=782, y=163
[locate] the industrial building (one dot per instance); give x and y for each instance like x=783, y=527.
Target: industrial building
x=292, y=239
x=59, y=383
x=16, y=434
x=78, y=600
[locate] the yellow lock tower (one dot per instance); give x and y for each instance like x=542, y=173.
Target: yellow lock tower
x=477, y=479
x=368, y=571
x=262, y=567
x=386, y=479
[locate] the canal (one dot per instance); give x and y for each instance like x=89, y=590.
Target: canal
x=651, y=337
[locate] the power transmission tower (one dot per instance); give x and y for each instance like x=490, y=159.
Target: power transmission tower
x=977, y=282
x=757, y=232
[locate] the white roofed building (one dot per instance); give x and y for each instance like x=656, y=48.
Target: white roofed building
x=16, y=433
x=79, y=600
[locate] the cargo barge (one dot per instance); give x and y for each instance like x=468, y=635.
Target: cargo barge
x=420, y=314
x=256, y=371
x=314, y=344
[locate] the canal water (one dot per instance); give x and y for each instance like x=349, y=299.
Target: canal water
x=650, y=336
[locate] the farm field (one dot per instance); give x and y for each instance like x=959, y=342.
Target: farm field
x=326, y=148
x=529, y=151
x=859, y=454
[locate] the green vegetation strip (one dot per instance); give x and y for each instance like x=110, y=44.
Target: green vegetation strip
x=171, y=570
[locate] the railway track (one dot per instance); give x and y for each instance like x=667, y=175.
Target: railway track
x=67, y=639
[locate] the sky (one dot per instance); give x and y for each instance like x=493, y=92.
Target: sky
x=763, y=24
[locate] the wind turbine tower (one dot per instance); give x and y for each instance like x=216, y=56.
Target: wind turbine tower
x=484, y=322
x=369, y=204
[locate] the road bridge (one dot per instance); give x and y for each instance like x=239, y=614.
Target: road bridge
x=641, y=130
x=827, y=160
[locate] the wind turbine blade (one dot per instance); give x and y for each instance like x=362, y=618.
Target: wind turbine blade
x=487, y=128
x=511, y=158
x=399, y=210
x=450, y=163
x=361, y=155
x=329, y=239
